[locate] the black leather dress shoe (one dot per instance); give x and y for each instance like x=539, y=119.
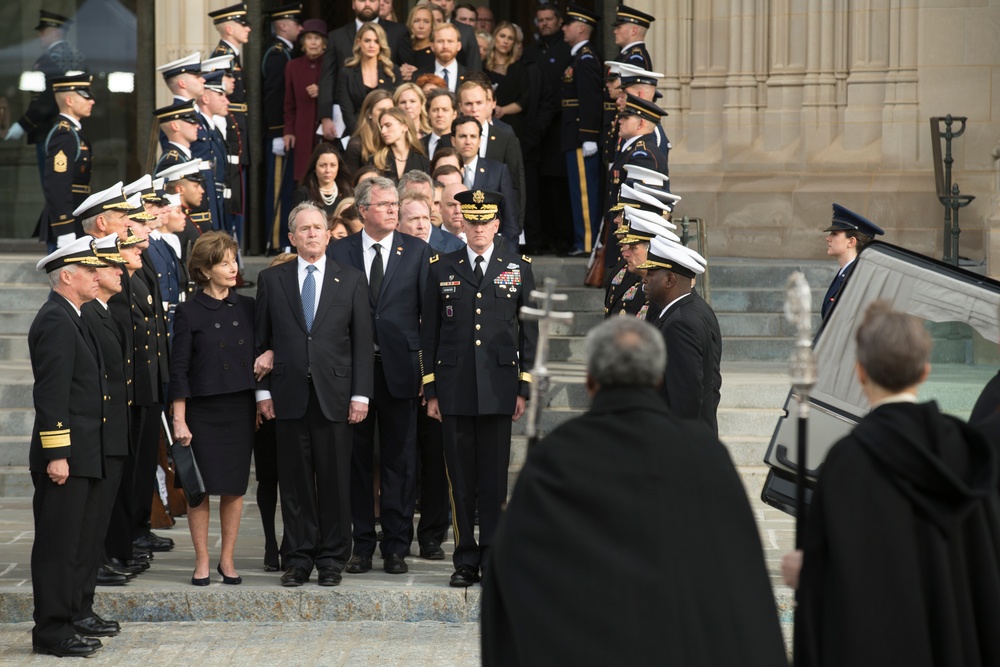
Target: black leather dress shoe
x=329, y=576
x=128, y=567
x=71, y=646
x=114, y=570
x=464, y=576
x=141, y=554
x=151, y=542
x=294, y=576
x=91, y=641
x=92, y=626
x=359, y=564
x=106, y=577
x=395, y=564
x=431, y=551
x=114, y=624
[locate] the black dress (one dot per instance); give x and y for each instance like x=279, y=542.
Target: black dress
x=211, y=366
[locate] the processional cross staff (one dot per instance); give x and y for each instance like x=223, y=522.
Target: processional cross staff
x=540, y=373
x=802, y=368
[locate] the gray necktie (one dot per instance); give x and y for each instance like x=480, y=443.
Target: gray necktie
x=309, y=296
x=470, y=178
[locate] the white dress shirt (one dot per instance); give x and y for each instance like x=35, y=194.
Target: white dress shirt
x=452, y=73
x=369, y=255
x=487, y=256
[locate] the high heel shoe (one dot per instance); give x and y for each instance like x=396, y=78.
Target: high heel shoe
x=232, y=581
x=200, y=582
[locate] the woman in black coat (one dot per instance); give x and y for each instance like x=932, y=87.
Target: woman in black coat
x=212, y=388
x=369, y=68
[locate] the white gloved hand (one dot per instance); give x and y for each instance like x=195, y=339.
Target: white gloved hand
x=589, y=148
x=14, y=133
x=278, y=146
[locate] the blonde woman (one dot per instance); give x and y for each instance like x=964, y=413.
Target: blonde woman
x=508, y=74
x=411, y=99
x=418, y=54
x=400, y=149
x=365, y=141
x=369, y=68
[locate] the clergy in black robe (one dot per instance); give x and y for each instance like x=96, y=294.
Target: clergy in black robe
x=629, y=539
x=901, y=559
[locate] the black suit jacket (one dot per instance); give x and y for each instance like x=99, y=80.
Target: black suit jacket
x=395, y=312
x=340, y=48
x=443, y=241
x=110, y=336
x=433, y=69
x=337, y=352
x=443, y=142
x=503, y=146
x=69, y=392
x=495, y=176
x=351, y=92
x=692, y=382
x=477, y=353
x=469, y=53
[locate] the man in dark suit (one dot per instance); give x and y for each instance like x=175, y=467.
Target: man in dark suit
x=476, y=356
x=469, y=55
x=340, y=48
x=441, y=110
x=314, y=314
x=498, y=140
x=66, y=458
x=484, y=174
x=692, y=380
x=447, y=45
x=396, y=266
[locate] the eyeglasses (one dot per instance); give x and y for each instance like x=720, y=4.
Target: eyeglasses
x=386, y=205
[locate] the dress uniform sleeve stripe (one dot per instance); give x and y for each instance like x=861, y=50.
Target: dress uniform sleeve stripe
x=428, y=378
x=525, y=377
x=55, y=439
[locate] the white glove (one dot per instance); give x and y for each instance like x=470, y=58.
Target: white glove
x=14, y=133
x=278, y=146
x=64, y=240
x=589, y=148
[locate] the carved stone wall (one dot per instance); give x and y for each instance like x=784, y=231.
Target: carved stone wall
x=780, y=107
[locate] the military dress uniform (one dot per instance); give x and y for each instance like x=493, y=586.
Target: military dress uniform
x=475, y=356
x=70, y=399
x=67, y=180
x=636, y=52
x=624, y=294
x=582, y=113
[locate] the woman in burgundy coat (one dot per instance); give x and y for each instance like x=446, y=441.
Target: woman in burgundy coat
x=301, y=91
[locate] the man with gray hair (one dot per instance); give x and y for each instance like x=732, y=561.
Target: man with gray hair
x=586, y=567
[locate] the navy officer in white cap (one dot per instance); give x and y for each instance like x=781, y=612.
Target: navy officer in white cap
x=692, y=381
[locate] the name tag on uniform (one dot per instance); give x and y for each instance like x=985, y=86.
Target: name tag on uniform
x=449, y=287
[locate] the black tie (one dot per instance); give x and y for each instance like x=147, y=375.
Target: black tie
x=479, y=269
x=378, y=271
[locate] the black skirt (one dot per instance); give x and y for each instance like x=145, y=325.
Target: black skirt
x=222, y=438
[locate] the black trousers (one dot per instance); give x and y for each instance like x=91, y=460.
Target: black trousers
x=62, y=553
x=144, y=482
x=477, y=455
x=397, y=437
x=113, y=466
x=433, y=525
x=314, y=458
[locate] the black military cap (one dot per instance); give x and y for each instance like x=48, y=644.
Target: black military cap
x=236, y=13
x=479, y=206
x=213, y=81
x=180, y=111
x=78, y=83
x=578, y=13
x=629, y=15
x=48, y=19
x=636, y=106
x=846, y=220
x=290, y=11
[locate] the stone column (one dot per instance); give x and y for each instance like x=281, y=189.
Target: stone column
x=783, y=115
x=820, y=124
x=182, y=27
x=900, y=115
x=866, y=83
x=741, y=81
x=710, y=53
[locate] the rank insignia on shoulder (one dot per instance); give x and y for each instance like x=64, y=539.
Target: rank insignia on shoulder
x=526, y=258
x=435, y=258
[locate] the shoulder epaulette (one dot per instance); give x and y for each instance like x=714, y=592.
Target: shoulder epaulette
x=435, y=258
x=526, y=258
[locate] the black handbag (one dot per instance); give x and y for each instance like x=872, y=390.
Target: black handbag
x=186, y=470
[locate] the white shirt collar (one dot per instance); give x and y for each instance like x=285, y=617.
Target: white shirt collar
x=75, y=122
x=667, y=307
x=186, y=150
x=474, y=163
x=73, y=305
x=287, y=43
x=155, y=234
x=576, y=48
x=844, y=267
x=98, y=300
x=358, y=23
x=233, y=47
x=629, y=142
x=487, y=256
x=904, y=397
x=367, y=242
x=452, y=68
x=629, y=46
x=320, y=264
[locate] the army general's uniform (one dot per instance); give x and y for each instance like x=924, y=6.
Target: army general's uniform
x=475, y=354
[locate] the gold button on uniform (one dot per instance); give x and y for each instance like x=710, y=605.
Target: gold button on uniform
x=479, y=342
x=479, y=311
x=478, y=327
x=479, y=295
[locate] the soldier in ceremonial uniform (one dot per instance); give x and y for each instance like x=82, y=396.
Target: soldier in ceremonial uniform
x=234, y=30
x=642, y=84
x=66, y=458
x=476, y=353
x=185, y=179
x=57, y=59
x=67, y=161
x=630, y=36
x=182, y=124
x=224, y=140
x=847, y=235
x=287, y=23
x=692, y=380
x=581, y=127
